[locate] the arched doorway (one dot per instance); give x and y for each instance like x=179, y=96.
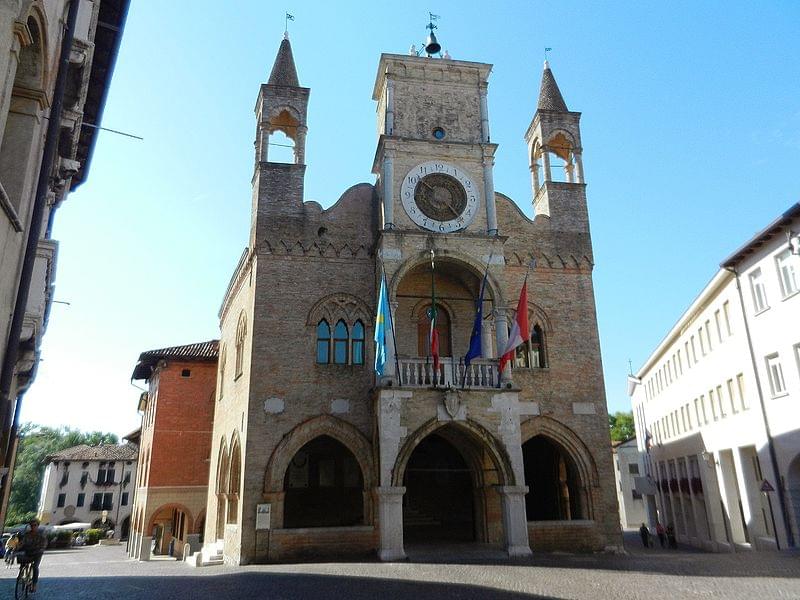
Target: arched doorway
x=324, y=486
x=453, y=475
x=438, y=503
x=555, y=486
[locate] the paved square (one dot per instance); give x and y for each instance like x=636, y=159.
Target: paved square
x=105, y=572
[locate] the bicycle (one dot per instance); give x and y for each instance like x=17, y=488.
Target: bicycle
x=24, y=587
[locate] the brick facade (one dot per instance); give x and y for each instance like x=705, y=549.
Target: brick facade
x=173, y=470
x=305, y=265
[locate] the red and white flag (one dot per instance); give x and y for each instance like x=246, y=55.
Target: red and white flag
x=519, y=331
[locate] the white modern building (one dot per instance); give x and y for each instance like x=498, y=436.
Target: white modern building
x=628, y=465
x=90, y=484
x=716, y=404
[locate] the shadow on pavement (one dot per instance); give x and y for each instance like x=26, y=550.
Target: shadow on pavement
x=260, y=585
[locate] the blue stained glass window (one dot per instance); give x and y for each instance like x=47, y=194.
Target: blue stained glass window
x=323, y=342
x=340, y=340
x=357, y=343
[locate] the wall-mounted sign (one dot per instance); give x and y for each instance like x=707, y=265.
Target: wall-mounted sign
x=263, y=515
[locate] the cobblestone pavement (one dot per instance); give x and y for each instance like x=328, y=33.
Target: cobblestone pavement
x=105, y=572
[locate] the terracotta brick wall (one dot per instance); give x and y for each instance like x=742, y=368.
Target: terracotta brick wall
x=565, y=536
x=293, y=544
x=182, y=426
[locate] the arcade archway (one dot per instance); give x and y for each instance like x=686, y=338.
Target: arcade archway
x=451, y=476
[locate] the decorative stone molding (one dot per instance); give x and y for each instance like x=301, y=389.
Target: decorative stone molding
x=342, y=431
x=569, y=441
x=314, y=248
x=340, y=305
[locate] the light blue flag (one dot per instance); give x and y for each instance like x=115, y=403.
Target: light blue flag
x=383, y=327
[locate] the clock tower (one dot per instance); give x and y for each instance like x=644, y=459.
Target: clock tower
x=434, y=158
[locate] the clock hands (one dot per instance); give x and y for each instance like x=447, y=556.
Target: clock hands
x=439, y=199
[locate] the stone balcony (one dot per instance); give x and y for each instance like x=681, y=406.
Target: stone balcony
x=418, y=372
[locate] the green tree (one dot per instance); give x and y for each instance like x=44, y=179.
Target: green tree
x=35, y=444
x=621, y=425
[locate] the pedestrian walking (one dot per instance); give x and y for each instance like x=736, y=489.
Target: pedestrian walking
x=662, y=534
x=673, y=543
x=645, y=533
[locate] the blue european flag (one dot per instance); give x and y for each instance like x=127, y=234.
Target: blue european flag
x=383, y=326
x=477, y=327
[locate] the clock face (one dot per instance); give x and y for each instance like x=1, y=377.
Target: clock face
x=439, y=196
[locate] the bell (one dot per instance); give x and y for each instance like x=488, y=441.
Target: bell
x=432, y=46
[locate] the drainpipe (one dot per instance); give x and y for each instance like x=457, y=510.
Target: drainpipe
x=770, y=442
x=7, y=408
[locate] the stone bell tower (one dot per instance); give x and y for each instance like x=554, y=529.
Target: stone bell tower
x=555, y=158
x=282, y=105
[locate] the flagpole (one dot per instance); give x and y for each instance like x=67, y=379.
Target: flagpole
x=434, y=312
x=480, y=299
x=394, y=336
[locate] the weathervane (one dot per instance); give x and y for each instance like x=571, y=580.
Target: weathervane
x=286, y=25
x=546, y=50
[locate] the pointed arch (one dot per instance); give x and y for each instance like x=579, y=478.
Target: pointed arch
x=478, y=436
x=566, y=438
x=234, y=479
x=493, y=288
x=339, y=430
x=241, y=336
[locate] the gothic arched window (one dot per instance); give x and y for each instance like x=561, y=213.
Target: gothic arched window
x=537, y=348
x=323, y=342
x=357, y=344
x=241, y=334
x=340, y=343
x=531, y=354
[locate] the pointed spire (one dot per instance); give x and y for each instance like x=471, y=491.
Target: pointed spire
x=284, y=71
x=550, y=97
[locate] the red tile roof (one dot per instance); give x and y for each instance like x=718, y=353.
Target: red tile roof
x=199, y=352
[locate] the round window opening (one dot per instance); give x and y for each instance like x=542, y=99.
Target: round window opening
x=438, y=133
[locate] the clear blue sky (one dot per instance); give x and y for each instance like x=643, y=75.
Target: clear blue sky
x=691, y=133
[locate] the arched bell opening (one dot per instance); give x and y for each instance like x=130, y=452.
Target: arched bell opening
x=283, y=138
x=556, y=490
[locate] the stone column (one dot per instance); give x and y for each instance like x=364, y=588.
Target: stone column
x=515, y=523
x=696, y=517
x=726, y=475
x=144, y=548
x=389, y=370
x=300, y=145
x=711, y=496
x=389, y=126
x=578, y=167
x=488, y=192
x=501, y=333
x=390, y=523
x=486, y=339
x=569, y=170
x=534, y=178
x=547, y=175
x=388, y=195
x=749, y=491
x=484, y=114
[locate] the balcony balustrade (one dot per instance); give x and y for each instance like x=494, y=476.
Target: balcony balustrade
x=419, y=372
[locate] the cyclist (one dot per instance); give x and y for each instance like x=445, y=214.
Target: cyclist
x=33, y=544
x=11, y=548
